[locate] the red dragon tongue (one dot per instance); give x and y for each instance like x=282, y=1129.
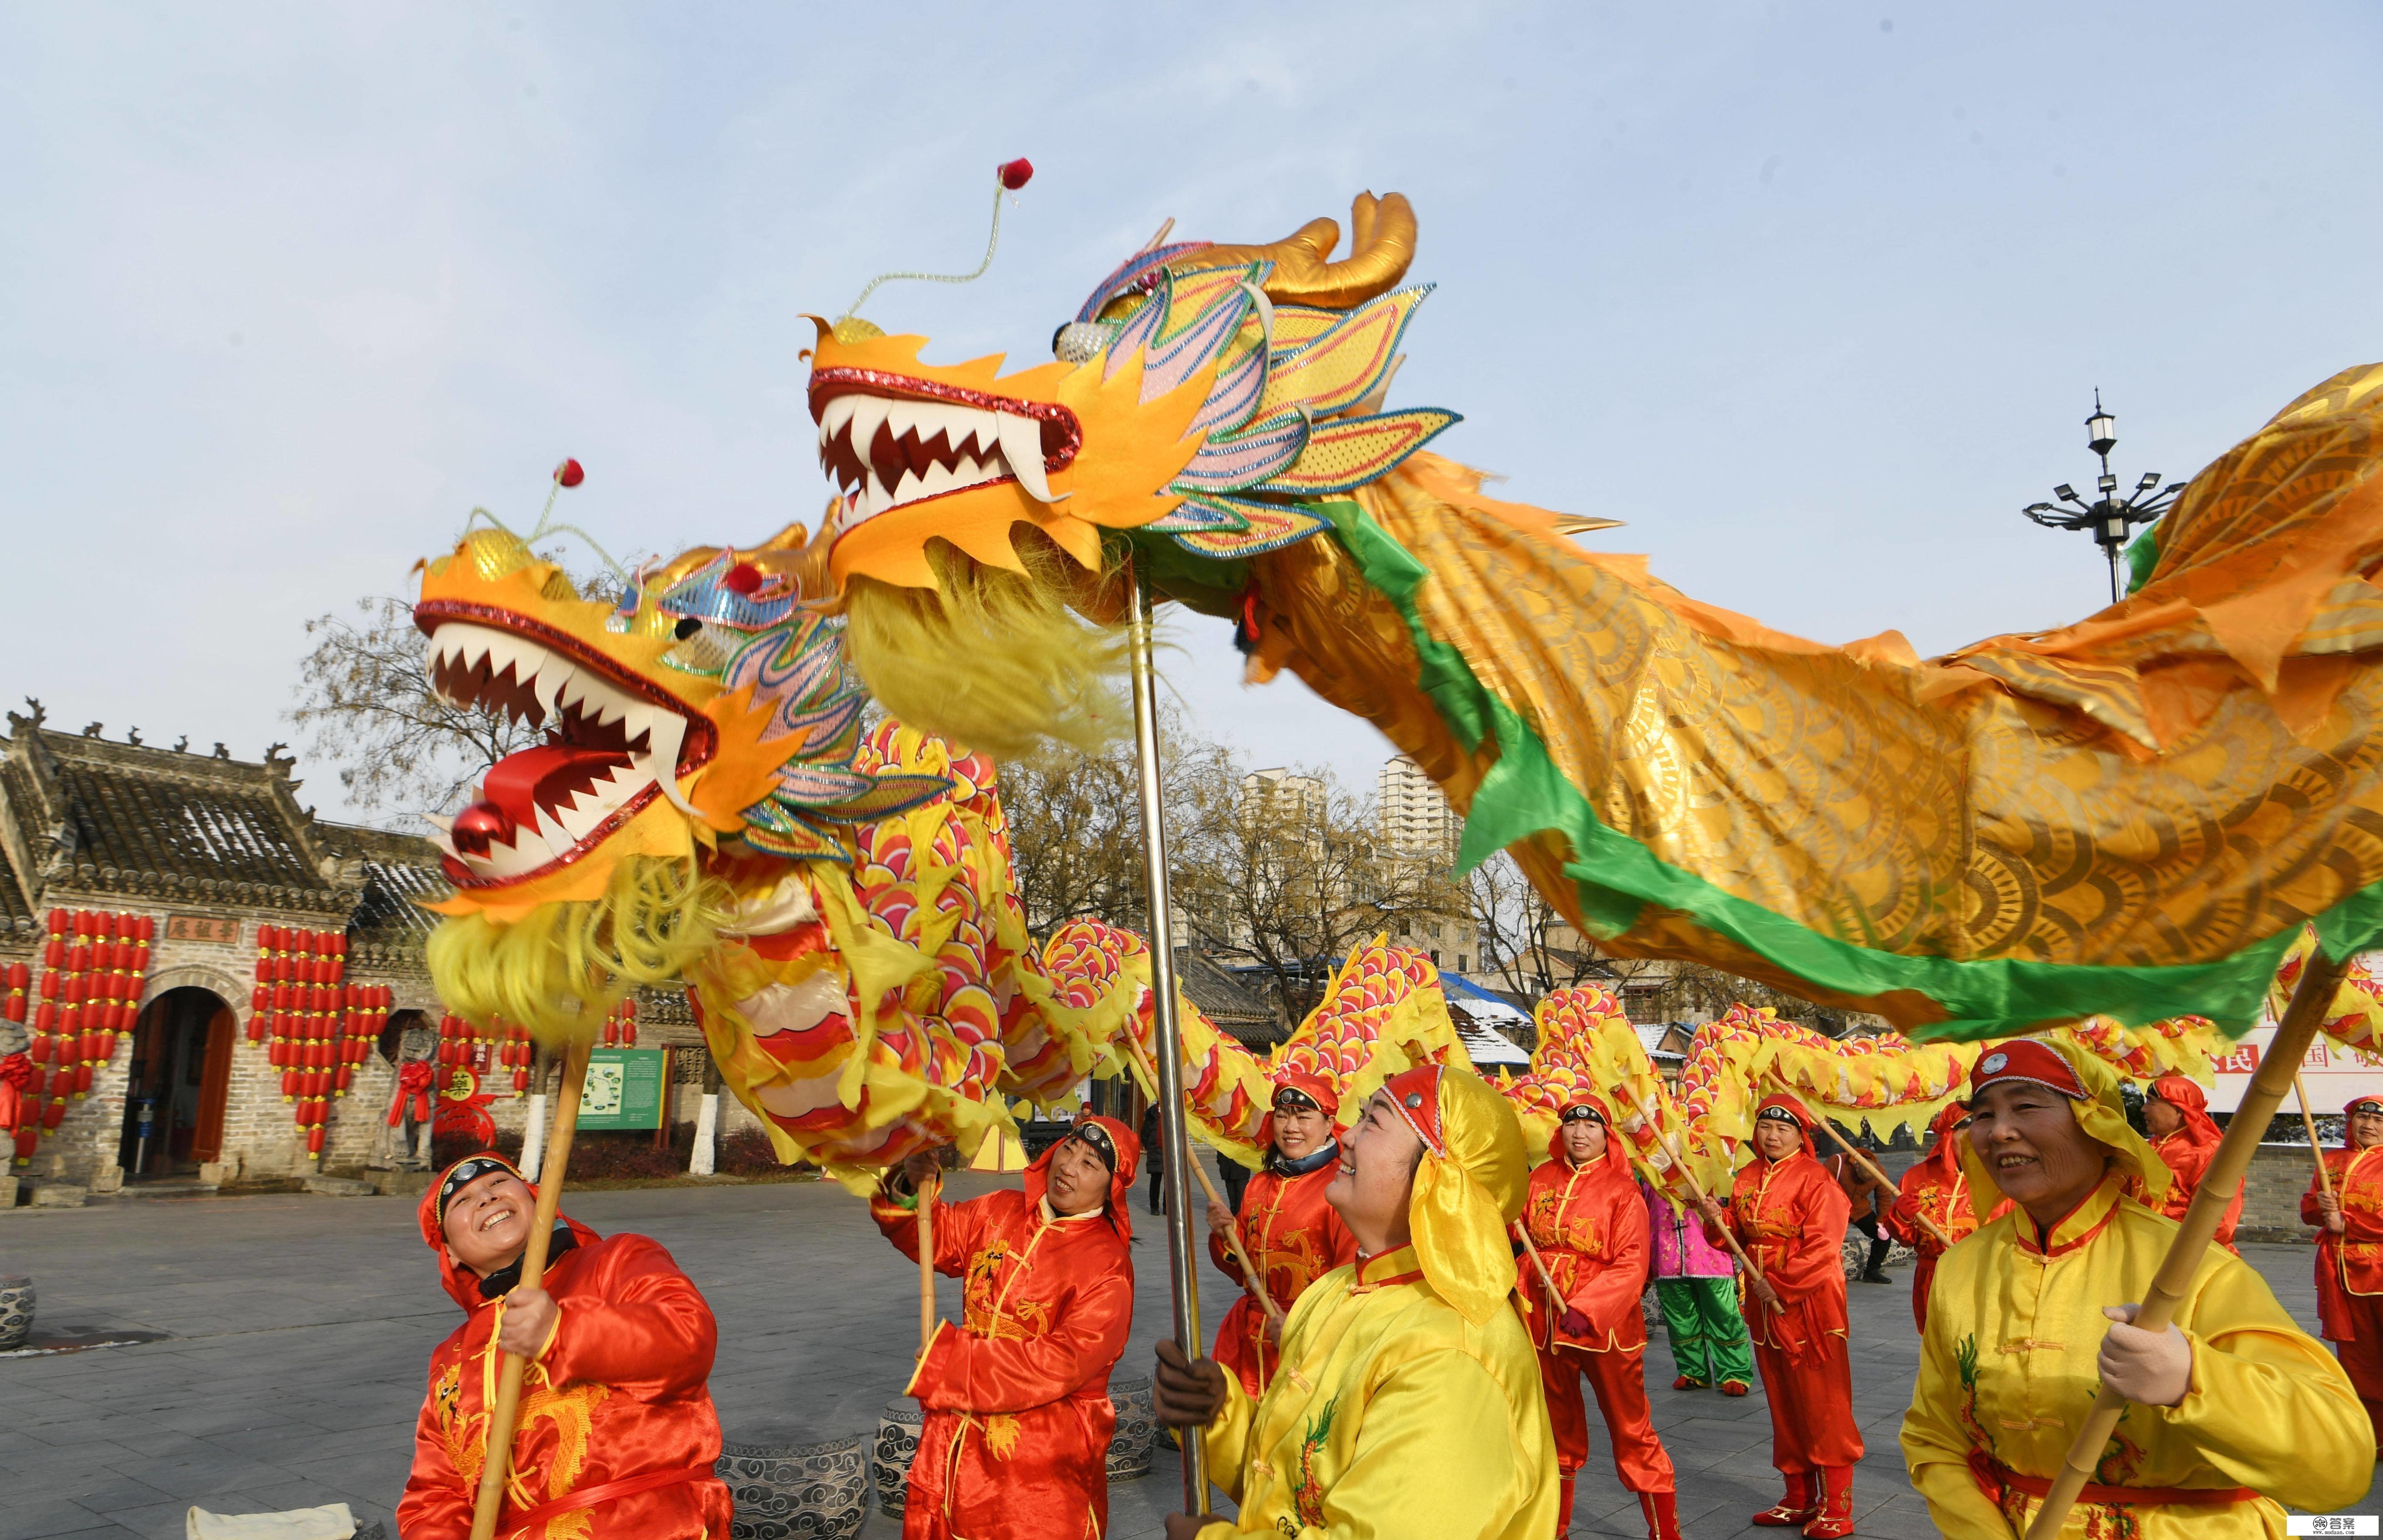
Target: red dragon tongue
x=548, y=778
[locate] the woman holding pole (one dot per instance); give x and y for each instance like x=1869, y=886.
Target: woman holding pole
x=2345, y=1202
x=1789, y=1214
x=1284, y=1229
x=1018, y=1418
x=2234, y=1410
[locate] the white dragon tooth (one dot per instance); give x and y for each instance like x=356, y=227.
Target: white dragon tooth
x=874, y=498
x=909, y=488
x=1021, y=446
x=506, y=652
x=985, y=433
x=868, y=416
x=551, y=830
x=940, y=478
x=834, y=415
x=551, y=676
x=472, y=645
x=665, y=732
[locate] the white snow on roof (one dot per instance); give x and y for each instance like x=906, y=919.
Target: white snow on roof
x=1486, y=1047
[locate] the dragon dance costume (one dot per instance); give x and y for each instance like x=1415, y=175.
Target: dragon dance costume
x=1408, y=1401
x=1790, y=1216
x=2188, y=1151
x=1018, y=1418
x=1936, y=1189
x=617, y=1435
x=1695, y=1283
x=2007, y=1361
x=2349, y=1265
x=1589, y=1226
x=1293, y=1236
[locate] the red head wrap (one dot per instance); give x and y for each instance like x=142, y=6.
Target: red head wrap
x=2200, y=1128
x=1120, y=1142
x=2026, y=1059
x=1581, y=1098
x=1780, y=1105
x=1317, y=1088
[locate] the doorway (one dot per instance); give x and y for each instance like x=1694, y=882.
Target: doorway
x=181, y=1072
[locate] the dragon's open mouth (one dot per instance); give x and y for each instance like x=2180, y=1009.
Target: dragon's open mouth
x=890, y=440
x=613, y=743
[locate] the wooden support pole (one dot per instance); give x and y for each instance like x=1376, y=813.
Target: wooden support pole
x=496, y=1464
x=2319, y=978
x=1880, y=1176
x=1555, y=1295
x=2317, y=1151
x=929, y=1191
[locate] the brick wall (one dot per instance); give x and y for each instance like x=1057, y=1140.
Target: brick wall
x=2271, y=1194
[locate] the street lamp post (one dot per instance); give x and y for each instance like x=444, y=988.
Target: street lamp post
x=2109, y=516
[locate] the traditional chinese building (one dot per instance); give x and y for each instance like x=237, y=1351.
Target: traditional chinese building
x=140, y=883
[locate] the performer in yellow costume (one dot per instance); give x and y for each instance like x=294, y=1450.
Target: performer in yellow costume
x=2235, y=1409
x=1408, y=1401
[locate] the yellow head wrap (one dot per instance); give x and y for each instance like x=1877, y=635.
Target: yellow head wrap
x=2101, y=1111
x=1470, y=1185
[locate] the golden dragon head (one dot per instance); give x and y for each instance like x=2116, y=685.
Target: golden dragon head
x=1202, y=407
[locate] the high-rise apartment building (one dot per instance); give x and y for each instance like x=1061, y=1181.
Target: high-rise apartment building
x=1416, y=820
x=1282, y=793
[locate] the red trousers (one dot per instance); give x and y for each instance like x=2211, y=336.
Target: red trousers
x=1811, y=1400
x=1619, y=1378
x=2362, y=1358
x=1922, y=1276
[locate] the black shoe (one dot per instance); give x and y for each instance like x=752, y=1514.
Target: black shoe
x=1876, y=1277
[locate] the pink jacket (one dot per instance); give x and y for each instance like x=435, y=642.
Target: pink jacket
x=1679, y=1246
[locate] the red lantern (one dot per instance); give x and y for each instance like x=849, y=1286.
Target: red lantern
x=81, y=1082
x=314, y=1144
x=53, y=1114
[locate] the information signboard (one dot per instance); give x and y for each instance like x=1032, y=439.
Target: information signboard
x=2332, y=1073
x=623, y=1088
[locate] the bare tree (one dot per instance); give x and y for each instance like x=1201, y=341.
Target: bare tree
x=1295, y=883
x=365, y=699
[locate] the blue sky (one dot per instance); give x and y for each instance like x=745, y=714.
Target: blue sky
x=1815, y=297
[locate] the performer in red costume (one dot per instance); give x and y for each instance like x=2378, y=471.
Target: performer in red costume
x=1293, y=1236
x=2349, y=1253
x=1016, y=1436
x=1936, y=1190
x=1790, y=1218
x=1584, y=1214
x=2177, y=1116
x=617, y=1435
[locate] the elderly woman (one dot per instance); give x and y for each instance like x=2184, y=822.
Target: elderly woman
x=1290, y=1234
x=2349, y=1221
x=1789, y=1213
x=1588, y=1229
x=2235, y=1409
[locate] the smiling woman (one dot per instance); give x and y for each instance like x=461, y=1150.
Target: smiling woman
x=2236, y=1410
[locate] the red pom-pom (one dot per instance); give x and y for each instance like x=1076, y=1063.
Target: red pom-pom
x=569, y=473
x=1017, y=173
x=742, y=578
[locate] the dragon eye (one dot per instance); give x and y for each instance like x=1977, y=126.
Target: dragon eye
x=686, y=628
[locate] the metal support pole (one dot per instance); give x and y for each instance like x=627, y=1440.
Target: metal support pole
x=1182, y=1260
x=2118, y=573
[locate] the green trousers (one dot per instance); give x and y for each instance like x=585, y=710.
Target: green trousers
x=1708, y=1335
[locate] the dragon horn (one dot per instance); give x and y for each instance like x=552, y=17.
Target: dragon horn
x=1381, y=247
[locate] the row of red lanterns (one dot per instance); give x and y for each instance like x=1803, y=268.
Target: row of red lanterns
x=94, y=965
x=317, y=1028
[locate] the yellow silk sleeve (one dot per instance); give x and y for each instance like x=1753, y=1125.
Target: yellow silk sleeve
x=1227, y=1439
x=2268, y=1407
x=1936, y=1450
x=1435, y=1415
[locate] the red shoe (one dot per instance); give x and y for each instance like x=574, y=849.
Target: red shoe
x=1662, y=1515
x=1734, y=1387
x=1684, y=1382
x=1836, y=1519
x=1799, y=1506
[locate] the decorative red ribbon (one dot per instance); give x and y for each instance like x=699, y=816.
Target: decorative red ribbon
x=414, y=1079
x=1992, y=1473
x=612, y=1491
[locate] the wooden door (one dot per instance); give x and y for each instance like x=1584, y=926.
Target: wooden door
x=215, y=1085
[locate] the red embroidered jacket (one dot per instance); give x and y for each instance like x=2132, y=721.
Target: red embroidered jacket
x=1293, y=1236
x=1589, y=1225
x=1790, y=1216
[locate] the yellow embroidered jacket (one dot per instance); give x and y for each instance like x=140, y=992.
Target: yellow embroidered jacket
x=1390, y=1415
x=2006, y=1372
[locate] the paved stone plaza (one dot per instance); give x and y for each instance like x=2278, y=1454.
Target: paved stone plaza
x=298, y=1328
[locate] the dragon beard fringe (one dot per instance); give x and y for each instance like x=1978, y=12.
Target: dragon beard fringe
x=560, y=970
x=995, y=659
